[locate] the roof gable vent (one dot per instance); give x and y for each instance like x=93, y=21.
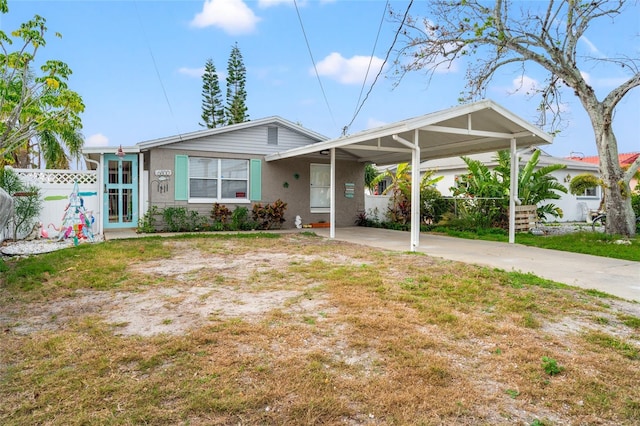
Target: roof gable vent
x=272, y=135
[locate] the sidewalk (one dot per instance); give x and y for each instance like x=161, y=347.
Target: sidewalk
x=613, y=276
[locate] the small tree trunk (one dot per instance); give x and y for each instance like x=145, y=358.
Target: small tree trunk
x=6, y=211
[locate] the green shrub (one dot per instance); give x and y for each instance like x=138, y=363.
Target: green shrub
x=196, y=222
x=179, y=219
x=432, y=205
x=147, y=223
x=27, y=202
x=240, y=220
x=635, y=205
x=368, y=218
x=175, y=218
x=551, y=366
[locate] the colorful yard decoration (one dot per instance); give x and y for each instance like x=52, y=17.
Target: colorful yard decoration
x=76, y=221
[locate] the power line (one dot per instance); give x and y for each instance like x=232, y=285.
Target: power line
x=314, y=63
x=373, y=51
x=395, y=39
x=155, y=65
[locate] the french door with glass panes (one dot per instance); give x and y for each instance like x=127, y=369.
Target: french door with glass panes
x=120, y=191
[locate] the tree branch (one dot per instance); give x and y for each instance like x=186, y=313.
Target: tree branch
x=619, y=92
x=633, y=168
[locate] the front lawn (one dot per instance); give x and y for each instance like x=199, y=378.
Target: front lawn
x=296, y=329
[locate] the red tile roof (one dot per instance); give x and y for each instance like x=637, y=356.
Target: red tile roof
x=624, y=159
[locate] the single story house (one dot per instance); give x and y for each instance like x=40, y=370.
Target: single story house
x=576, y=208
x=264, y=160
x=225, y=165
x=625, y=161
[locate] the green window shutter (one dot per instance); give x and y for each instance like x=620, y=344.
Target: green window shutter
x=181, y=178
x=255, y=180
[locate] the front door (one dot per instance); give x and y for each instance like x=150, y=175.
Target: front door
x=121, y=191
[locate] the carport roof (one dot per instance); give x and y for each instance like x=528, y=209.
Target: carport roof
x=482, y=126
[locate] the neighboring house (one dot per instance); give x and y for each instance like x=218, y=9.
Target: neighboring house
x=225, y=165
x=575, y=208
x=625, y=161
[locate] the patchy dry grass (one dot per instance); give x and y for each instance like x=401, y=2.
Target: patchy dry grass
x=301, y=330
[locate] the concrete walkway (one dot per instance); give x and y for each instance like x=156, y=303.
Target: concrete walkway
x=613, y=276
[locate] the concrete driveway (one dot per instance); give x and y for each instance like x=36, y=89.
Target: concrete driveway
x=613, y=276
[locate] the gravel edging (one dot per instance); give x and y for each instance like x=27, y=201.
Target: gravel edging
x=30, y=247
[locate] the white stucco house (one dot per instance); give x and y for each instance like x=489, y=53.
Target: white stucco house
x=575, y=208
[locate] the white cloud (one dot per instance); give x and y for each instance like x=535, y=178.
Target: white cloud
x=603, y=82
x=97, y=140
x=525, y=85
x=348, y=71
x=372, y=123
x=592, y=47
x=609, y=82
x=271, y=3
x=301, y=3
x=191, y=72
x=232, y=16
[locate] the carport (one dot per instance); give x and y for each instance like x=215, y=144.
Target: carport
x=482, y=126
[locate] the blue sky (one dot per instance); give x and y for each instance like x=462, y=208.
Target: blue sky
x=138, y=66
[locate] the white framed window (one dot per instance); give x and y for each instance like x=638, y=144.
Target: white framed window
x=218, y=179
x=320, y=192
x=590, y=193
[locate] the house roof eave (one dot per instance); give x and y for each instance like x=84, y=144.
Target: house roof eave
x=479, y=127
x=154, y=143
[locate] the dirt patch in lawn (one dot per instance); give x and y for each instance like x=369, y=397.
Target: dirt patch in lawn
x=197, y=288
x=301, y=330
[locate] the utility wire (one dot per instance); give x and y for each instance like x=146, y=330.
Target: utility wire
x=395, y=39
x=155, y=65
x=364, y=81
x=314, y=63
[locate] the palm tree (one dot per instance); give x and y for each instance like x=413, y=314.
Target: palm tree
x=484, y=193
x=52, y=146
x=580, y=183
x=490, y=189
x=400, y=187
x=370, y=174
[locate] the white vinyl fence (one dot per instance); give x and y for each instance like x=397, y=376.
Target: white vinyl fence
x=55, y=188
x=375, y=206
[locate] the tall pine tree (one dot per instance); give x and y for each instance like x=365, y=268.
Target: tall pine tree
x=213, y=114
x=236, y=110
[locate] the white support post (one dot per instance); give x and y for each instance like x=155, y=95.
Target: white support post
x=513, y=192
x=332, y=190
x=415, y=187
x=101, y=197
x=415, y=194
x=142, y=206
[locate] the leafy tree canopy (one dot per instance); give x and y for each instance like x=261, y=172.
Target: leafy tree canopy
x=35, y=104
x=490, y=36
